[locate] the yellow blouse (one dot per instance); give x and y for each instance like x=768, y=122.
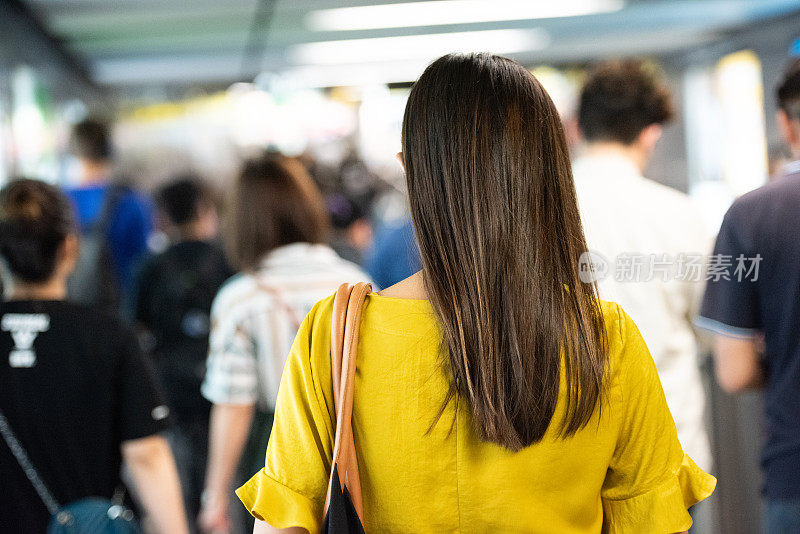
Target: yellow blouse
x=625, y=472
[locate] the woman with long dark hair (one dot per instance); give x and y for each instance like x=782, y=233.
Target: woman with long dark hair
x=494, y=391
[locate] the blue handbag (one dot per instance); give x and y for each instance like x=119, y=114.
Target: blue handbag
x=93, y=515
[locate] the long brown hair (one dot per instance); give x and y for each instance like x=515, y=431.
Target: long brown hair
x=500, y=236
x=275, y=203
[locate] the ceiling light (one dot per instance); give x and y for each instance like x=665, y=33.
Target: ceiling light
x=428, y=46
x=434, y=13
x=359, y=75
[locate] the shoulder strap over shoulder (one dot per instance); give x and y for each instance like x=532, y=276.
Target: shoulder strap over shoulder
x=347, y=307
x=280, y=300
x=25, y=464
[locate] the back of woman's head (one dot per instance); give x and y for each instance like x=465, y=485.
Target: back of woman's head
x=275, y=203
x=494, y=207
x=35, y=219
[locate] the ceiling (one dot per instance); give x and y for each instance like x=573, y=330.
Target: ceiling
x=130, y=43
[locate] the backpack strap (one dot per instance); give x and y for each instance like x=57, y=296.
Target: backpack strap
x=347, y=306
x=280, y=300
x=114, y=195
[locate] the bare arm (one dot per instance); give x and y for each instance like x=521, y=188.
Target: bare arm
x=738, y=365
x=228, y=432
x=263, y=528
x=155, y=477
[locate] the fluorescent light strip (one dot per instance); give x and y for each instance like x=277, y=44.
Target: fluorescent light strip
x=360, y=75
x=428, y=46
x=435, y=13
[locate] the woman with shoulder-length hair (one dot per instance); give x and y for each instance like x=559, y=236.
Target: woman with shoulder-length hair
x=494, y=392
x=277, y=241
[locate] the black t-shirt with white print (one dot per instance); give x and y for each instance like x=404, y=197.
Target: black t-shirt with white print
x=73, y=386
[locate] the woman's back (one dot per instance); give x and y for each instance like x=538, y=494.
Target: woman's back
x=625, y=468
x=510, y=398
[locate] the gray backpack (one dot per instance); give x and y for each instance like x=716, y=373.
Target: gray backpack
x=94, y=281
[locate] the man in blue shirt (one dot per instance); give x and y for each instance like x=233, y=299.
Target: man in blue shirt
x=755, y=312
x=124, y=216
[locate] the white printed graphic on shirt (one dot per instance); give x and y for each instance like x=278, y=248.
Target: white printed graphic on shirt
x=24, y=328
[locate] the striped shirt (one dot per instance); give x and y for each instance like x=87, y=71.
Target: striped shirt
x=255, y=317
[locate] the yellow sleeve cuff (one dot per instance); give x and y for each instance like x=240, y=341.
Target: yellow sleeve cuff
x=663, y=509
x=281, y=507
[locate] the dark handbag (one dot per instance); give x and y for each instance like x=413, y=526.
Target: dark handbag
x=92, y=515
x=343, y=512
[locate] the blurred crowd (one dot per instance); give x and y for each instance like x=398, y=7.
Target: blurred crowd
x=149, y=329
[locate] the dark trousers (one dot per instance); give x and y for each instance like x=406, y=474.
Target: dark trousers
x=783, y=516
x=252, y=461
x=189, y=444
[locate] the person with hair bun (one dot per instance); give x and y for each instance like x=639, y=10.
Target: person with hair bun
x=74, y=388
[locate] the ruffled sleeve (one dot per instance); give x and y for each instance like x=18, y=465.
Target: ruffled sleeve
x=269, y=500
x=290, y=490
x=663, y=508
x=651, y=482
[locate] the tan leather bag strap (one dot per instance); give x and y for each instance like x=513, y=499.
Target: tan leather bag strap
x=345, y=322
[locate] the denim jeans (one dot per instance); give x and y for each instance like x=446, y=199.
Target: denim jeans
x=783, y=516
